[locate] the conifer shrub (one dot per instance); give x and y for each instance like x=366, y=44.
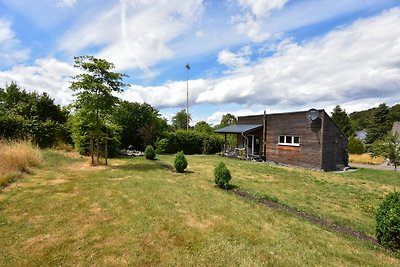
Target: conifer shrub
x=222, y=176
x=356, y=146
x=180, y=162
x=150, y=153
x=388, y=221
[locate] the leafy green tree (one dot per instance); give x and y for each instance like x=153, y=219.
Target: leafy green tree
x=31, y=115
x=388, y=148
x=228, y=119
x=343, y=121
x=380, y=124
x=95, y=86
x=203, y=127
x=179, y=120
x=141, y=124
x=94, y=104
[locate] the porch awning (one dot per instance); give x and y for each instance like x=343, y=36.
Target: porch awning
x=239, y=129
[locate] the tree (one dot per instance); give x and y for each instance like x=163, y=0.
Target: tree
x=228, y=119
x=388, y=148
x=380, y=124
x=95, y=101
x=31, y=115
x=141, y=124
x=203, y=127
x=95, y=86
x=179, y=120
x=343, y=121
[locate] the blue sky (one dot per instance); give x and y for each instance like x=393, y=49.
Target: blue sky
x=246, y=56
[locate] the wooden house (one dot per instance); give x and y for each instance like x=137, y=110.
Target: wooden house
x=307, y=138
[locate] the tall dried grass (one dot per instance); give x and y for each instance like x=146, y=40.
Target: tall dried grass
x=17, y=157
x=366, y=159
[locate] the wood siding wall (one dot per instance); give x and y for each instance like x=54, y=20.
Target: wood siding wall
x=334, y=149
x=308, y=154
x=322, y=144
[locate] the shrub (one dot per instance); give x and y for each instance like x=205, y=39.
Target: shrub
x=388, y=221
x=162, y=146
x=212, y=144
x=356, y=146
x=222, y=176
x=180, y=162
x=149, y=153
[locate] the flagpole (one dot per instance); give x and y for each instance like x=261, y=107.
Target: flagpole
x=187, y=95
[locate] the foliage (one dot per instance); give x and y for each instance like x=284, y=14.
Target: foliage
x=388, y=221
x=162, y=146
x=95, y=101
x=141, y=124
x=380, y=124
x=179, y=120
x=180, y=162
x=150, y=153
x=82, y=123
x=212, y=144
x=31, y=115
x=343, y=121
x=222, y=176
x=355, y=146
x=388, y=148
x=190, y=142
x=228, y=119
x=203, y=127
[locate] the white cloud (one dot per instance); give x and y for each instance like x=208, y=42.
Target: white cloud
x=216, y=117
x=251, y=23
x=45, y=75
x=360, y=62
x=261, y=8
x=134, y=34
x=171, y=94
x=10, y=47
x=233, y=60
x=67, y=3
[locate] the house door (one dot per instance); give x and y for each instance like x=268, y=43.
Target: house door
x=254, y=145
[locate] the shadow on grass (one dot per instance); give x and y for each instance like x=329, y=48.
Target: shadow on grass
x=144, y=167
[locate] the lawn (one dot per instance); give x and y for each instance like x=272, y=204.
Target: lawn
x=142, y=213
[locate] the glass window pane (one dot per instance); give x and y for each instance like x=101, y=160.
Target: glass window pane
x=288, y=139
x=296, y=140
x=281, y=139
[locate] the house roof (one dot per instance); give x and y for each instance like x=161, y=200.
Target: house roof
x=239, y=129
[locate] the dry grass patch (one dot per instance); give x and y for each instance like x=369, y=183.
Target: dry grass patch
x=366, y=159
x=17, y=157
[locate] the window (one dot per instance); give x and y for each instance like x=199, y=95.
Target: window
x=288, y=140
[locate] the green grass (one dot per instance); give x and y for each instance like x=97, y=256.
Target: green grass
x=141, y=213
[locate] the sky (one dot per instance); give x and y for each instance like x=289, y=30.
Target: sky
x=245, y=56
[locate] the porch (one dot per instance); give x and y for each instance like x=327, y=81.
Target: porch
x=248, y=141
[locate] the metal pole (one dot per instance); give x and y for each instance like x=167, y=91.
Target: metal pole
x=187, y=95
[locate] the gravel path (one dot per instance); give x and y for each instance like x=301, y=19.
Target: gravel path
x=369, y=166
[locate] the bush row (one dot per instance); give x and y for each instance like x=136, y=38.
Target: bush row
x=43, y=133
x=190, y=143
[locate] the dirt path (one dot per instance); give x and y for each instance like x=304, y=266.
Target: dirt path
x=309, y=217
x=370, y=166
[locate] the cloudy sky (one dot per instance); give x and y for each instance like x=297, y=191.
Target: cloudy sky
x=246, y=56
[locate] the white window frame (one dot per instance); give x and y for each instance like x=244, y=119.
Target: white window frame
x=288, y=140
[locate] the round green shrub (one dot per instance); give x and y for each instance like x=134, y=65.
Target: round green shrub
x=162, y=146
x=180, y=162
x=356, y=146
x=388, y=221
x=150, y=153
x=222, y=176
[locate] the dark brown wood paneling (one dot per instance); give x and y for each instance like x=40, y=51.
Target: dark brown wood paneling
x=308, y=154
x=334, y=149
